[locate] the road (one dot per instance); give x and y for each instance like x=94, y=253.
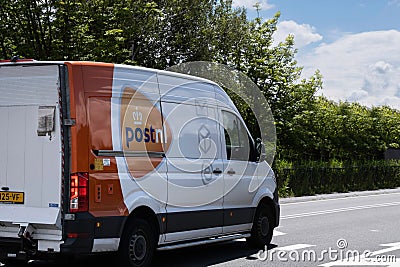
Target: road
x=361, y=230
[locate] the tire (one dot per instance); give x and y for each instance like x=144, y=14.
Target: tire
x=137, y=244
x=262, y=231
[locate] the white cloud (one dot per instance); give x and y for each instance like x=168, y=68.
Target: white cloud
x=394, y=3
x=357, y=95
x=363, y=67
x=249, y=4
x=304, y=34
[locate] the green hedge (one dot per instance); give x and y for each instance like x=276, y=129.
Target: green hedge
x=310, y=178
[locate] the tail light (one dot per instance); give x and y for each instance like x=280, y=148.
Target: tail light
x=79, y=192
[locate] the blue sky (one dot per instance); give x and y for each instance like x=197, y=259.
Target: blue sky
x=354, y=43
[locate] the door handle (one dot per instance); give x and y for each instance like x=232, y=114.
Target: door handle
x=217, y=171
x=231, y=172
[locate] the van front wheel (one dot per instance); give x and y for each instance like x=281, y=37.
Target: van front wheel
x=137, y=245
x=262, y=231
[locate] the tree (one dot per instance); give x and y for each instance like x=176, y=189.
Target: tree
x=162, y=33
x=274, y=70
x=26, y=28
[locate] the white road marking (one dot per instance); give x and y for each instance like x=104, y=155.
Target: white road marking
x=391, y=247
x=322, y=212
x=395, y=244
x=278, y=233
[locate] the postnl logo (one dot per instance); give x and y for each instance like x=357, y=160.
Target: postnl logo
x=146, y=136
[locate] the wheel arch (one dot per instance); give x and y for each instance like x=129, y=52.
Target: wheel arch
x=269, y=202
x=145, y=213
x=269, y=198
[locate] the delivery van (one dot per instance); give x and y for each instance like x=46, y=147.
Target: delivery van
x=99, y=157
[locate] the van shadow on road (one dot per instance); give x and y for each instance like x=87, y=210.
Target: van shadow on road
x=205, y=255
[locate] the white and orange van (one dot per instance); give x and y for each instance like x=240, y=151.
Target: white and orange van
x=99, y=157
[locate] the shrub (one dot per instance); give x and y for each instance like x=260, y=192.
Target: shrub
x=313, y=177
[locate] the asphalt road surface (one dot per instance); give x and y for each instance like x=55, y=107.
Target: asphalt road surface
x=359, y=229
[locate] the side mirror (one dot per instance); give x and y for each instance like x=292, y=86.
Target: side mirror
x=260, y=150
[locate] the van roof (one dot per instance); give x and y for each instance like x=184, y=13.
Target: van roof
x=93, y=63
x=221, y=94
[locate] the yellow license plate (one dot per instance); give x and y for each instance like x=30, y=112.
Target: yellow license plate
x=12, y=197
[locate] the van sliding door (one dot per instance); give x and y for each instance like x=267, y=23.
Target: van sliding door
x=195, y=184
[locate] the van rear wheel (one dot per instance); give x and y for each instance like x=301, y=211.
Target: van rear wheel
x=262, y=231
x=137, y=244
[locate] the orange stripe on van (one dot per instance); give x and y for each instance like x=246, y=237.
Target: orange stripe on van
x=91, y=91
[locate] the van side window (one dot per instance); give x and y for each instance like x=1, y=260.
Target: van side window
x=236, y=138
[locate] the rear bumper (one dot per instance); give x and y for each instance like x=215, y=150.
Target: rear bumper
x=78, y=238
x=81, y=233
x=78, y=234
x=77, y=246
